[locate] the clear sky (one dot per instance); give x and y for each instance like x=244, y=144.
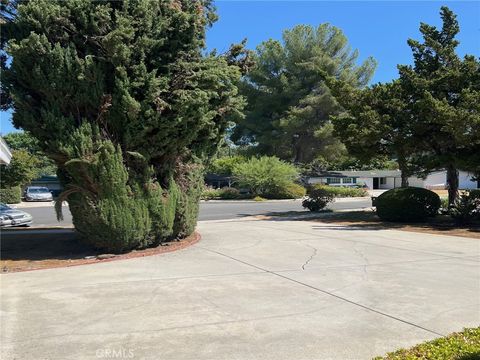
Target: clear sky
x=376, y=28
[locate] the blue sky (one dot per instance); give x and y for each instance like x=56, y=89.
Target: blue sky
x=376, y=28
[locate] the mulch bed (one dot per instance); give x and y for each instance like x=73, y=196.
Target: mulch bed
x=35, y=252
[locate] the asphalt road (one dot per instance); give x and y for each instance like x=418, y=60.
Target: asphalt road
x=212, y=210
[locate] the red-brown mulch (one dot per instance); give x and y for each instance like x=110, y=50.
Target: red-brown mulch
x=32, y=254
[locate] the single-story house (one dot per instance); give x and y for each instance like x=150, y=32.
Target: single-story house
x=389, y=179
x=5, y=153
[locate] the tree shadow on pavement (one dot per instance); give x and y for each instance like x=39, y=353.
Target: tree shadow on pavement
x=368, y=220
x=48, y=244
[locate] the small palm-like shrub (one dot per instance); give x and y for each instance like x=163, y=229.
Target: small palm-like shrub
x=317, y=199
x=407, y=204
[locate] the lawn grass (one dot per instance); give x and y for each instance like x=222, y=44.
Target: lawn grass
x=463, y=345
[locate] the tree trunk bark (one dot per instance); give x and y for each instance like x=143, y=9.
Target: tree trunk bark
x=403, y=170
x=452, y=181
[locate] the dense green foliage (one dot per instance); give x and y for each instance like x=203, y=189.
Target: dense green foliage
x=317, y=199
x=22, y=169
x=224, y=165
x=443, y=91
x=341, y=191
x=122, y=97
x=408, y=204
x=428, y=119
x=289, y=104
x=463, y=345
x=264, y=176
x=25, y=141
x=226, y=193
x=288, y=191
x=466, y=207
x=376, y=124
x=11, y=195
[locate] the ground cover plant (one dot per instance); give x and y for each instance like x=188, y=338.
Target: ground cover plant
x=464, y=345
x=341, y=191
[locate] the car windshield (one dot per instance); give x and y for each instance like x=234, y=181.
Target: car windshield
x=38, y=190
x=4, y=207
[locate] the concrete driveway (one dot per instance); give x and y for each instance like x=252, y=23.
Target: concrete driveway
x=250, y=290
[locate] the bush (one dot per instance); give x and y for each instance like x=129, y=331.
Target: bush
x=467, y=207
x=11, y=195
x=265, y=175
x=229, y=193
x=210, y=193
x=408, y=204
x=341, y=191
x=225, y=165
x=317, y=199
x=463, y=345
x=288, y=191
x=226, y=193
x=259, y=198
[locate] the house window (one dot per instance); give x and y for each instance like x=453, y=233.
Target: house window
x=349, y=180
x=383, y=181
x=333, y=180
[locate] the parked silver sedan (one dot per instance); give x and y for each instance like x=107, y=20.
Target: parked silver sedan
x=38, y=193
x=13, y=217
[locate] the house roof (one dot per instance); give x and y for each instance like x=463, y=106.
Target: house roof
x=359, y=174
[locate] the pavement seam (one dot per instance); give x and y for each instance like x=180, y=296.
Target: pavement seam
x=327, y=293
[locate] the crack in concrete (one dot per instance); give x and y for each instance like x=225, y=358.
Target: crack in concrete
x=314, y=253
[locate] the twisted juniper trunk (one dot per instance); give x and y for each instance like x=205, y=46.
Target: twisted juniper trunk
x=452, y=181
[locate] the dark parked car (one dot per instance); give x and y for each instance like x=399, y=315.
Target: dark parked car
x=38, y=193
x=13, y=217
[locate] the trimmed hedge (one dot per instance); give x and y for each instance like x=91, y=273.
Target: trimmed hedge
x=11, y=195
x=341, y=191
x=409, y=204
x=288, y=191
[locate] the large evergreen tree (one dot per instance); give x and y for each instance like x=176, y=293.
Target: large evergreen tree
x=289, y=104
x=376, y=122
x=443, y=98
x=121, y=96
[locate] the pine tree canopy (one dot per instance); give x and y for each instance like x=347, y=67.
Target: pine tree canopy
x=289, y=104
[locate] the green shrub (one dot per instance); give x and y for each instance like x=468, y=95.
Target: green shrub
x=190, y=181
x=317, y=199
x=259, y=198
x=229, y=193
x=341, y=191
x=463, y=345
x=210, y=194
x=467, y=207
x=265, y=175
x=225, y=165
x=226, y=193
x=407, y=204
x=288, y=191
x=11, y=195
